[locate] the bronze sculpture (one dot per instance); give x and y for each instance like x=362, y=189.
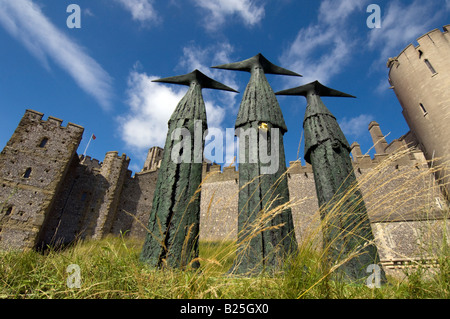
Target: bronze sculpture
x=263, y=240
x=173, y=227
x=347, y=234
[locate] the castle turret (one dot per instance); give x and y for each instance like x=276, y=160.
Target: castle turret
x=114, y=170
x=378, y=138
x=154, y=157
x=33, y=166
x=420, y=78
x=356, y=151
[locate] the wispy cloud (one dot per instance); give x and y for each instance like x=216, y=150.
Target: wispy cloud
x=88, y=12
x=141, y=10
x=323, y=49
x=25, y=21
x=249, y=11
x=356, y=127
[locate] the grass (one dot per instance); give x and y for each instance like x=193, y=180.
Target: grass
x=111, y=268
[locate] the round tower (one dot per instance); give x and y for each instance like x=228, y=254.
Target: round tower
x=420, y=77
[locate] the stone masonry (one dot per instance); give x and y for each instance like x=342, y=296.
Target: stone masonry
x=33, y=167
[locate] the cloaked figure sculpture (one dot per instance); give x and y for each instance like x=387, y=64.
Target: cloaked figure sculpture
x=172, y=239
x=347, y=234
x=265, y=226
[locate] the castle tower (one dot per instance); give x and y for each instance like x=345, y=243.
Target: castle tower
x=154, y=157
x=378, y=138
x=75, y=204
x=33, y=166
x=114, y=171
x=420, y=77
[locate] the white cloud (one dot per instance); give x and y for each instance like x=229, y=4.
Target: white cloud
x=322, y=49
x=151, y=105
x=356, y=126
x=333, y=12
x=141, y=10
x=25, y=21
x=219, y=11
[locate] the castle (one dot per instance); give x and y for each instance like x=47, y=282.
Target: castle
x=51, y=195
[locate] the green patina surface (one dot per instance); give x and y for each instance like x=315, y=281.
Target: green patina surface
x=348, y=237
x=173, y=227
x=265, y=235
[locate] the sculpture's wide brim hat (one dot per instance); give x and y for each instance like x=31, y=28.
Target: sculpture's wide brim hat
x=204, y=81
x=257, y=60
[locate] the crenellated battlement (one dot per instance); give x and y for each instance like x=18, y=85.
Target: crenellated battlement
x=213, y=172
x=35, y=116
x=110, y=158
x=37, y=158
x=434, y=38
x=91, y=163
x=115, y=155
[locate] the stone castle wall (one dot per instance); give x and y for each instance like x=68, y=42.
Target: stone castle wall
x=135, y=204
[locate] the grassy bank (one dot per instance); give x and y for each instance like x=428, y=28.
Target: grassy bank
x=110, y=268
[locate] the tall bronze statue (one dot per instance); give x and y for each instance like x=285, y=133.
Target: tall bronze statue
x=173, y=225
x=265, y=234
x=346, y=226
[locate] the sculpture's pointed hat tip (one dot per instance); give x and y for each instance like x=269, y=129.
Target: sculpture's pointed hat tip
x=259, y=59
x=315, y=87
x=204, y=81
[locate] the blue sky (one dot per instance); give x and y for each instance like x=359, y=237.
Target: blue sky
x=99, y=76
